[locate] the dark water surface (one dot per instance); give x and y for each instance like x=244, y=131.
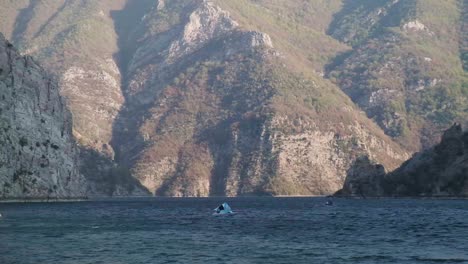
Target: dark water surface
x=264, y=230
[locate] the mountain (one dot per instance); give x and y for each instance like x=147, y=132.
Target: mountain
x=197, y=98
x=406, y=66
x=439, y=171
x=38, y=157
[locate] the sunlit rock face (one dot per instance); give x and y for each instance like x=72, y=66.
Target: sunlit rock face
x=38, y=156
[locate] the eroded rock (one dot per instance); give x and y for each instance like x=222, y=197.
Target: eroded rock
x=38, y=156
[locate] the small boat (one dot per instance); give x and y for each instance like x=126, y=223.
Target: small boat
x=329, y=203
x=223, y=209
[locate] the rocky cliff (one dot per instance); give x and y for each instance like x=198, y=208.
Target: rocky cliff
x=38, y=156
x=440, y=171
x=364, y=178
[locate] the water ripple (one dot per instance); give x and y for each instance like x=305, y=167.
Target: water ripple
x=263, y=230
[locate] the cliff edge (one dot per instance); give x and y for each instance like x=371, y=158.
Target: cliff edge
x=38, y=157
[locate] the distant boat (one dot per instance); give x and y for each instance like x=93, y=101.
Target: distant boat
x=223, y=209
x=329, y=203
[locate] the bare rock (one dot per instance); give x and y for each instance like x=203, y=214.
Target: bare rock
x=364, y=178
x=206, y=22
x=415, y=26
x=256, y=39
x=38, y=157
x=161, y=5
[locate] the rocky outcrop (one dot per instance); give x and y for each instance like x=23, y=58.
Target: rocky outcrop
x=38, y=156
x=364, y=178
x=415, y=25
x=206, y=22
x=257, y=39
x=440, y=171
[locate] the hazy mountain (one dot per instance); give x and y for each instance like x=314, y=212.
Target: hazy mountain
x=193, y=97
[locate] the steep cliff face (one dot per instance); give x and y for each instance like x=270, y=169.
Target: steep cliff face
x=439, y=171
x=38, y=156
x=76, y=41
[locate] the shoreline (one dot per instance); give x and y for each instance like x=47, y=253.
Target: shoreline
x=403, y=197
x=117, y=198
x=44, y=200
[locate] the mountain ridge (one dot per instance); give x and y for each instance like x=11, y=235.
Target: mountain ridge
x=268, y=94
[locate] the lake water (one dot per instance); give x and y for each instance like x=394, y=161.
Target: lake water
x=263, y=230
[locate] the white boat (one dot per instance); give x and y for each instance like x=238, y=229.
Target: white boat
x=223, y=209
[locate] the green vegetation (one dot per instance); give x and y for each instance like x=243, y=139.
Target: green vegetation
x=361, y=20
x=384, y=57
x=417, y=73
x=297, y=28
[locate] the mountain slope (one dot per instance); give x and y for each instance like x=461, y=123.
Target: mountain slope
x=215, y=109
x=192, y=100
x=38, y=157
x=405, y=69
x=298, y=28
